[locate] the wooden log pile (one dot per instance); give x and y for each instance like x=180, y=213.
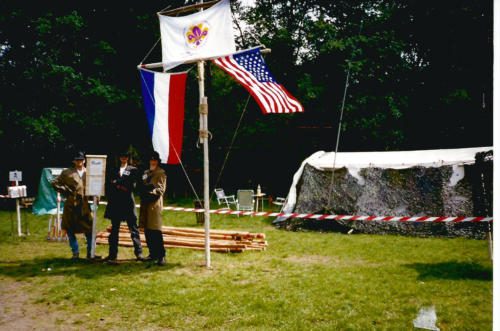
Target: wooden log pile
x=193, y=238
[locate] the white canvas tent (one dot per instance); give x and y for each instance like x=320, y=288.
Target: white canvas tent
x=365, y=178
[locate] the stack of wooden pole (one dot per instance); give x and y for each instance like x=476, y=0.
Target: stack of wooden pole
x=194, y=238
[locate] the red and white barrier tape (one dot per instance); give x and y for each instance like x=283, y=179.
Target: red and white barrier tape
x=417, y=219
x=339, y=217
x=332, y=217
x=4, y=196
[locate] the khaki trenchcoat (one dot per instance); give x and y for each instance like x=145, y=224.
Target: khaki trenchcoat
x=154, y=184
x=77, y=217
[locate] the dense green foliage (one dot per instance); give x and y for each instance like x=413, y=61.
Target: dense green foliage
x=420, y=77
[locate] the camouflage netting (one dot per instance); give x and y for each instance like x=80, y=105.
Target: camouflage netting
x=416, y=191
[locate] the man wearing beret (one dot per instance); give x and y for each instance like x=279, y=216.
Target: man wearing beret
x=153, y=186
x=77, y=217
x=121, y=206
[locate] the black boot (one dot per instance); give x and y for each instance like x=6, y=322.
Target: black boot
x=162, y=262
x=110, y=260
x=147, y=258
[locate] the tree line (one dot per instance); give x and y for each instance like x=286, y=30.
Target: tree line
x=420, y=77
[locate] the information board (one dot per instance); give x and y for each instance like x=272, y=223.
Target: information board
x=96, y=175
x=15, y=176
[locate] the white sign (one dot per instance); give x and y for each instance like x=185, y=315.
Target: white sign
x=96, y=167
x=95, y=184
x=15, y=176
x=17, y=191
x=96, y=174
x=56, y=172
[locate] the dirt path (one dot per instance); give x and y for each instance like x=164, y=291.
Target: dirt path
x=19, y=312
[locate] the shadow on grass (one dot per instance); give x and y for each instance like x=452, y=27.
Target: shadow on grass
x=38, y=267
x=452, y=270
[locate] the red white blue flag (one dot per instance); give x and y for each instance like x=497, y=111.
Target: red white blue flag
x=248, y=68
x=163, y=96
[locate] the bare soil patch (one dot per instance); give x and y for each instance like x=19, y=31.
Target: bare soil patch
x=19, y=312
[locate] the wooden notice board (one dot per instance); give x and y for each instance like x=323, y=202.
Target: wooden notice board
x=96, y=175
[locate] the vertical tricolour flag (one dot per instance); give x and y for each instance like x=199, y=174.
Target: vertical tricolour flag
x=163, y=96
x=248, y=68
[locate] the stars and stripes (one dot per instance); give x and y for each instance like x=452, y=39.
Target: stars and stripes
x=250, y=70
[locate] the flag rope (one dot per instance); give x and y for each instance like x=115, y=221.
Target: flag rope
x=340, y=127
x=231, y=145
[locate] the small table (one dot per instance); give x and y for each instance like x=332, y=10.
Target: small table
x=261, y=197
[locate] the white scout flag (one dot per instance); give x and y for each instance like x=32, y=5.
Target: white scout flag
x=201, y=35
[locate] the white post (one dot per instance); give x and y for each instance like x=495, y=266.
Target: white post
x=50, y=224
x=204, y=140
x=94, y=228
x=18, y=210
x=58, y=215
x=490, y=243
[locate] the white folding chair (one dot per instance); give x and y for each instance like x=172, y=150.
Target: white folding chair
x=222, y=198
x=280, y=202
x=245, y=201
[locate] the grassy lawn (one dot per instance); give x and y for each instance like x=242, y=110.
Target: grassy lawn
x=303, y=281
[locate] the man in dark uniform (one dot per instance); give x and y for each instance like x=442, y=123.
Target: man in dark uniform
x=153, y=186
x=121, y=206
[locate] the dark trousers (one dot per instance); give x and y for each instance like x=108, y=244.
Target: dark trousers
x=154, y=239
x=134, y=235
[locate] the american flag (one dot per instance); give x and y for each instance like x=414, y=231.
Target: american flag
x=250, y=70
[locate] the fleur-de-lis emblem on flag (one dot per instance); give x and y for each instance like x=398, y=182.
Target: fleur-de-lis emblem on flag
x=196, y=35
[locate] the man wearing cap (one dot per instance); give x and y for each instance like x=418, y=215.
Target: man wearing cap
x=121, y=206
x=153, y=186
x=77, y=217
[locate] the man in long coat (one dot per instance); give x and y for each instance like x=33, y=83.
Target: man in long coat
x=77, y=217
x=121, y=206
x=154, y=184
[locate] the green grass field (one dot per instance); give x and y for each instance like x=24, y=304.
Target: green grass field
x=303, y=280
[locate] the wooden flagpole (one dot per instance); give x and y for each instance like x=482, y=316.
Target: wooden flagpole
x=204, y=140
x=160, y=64
x=181, y=10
